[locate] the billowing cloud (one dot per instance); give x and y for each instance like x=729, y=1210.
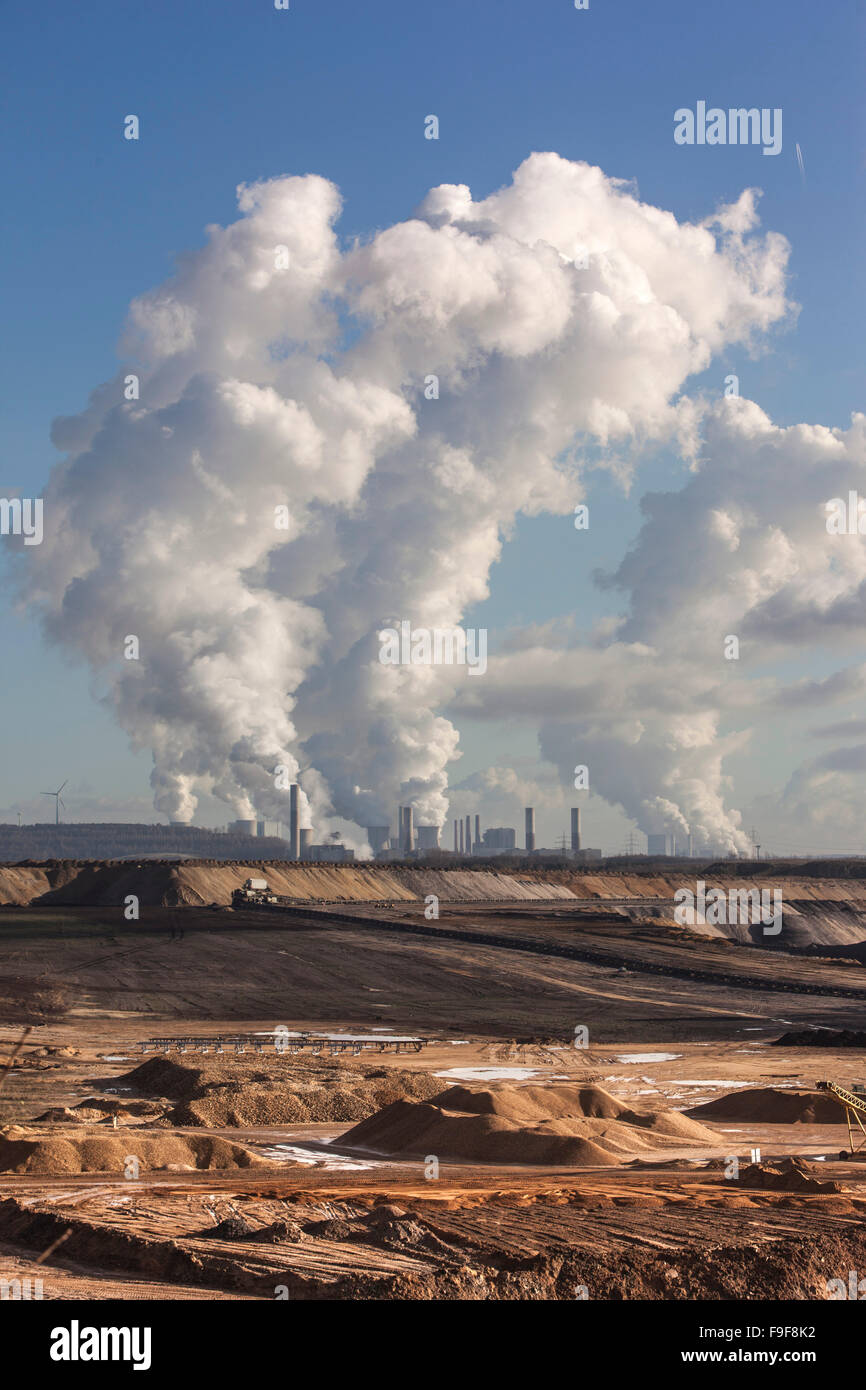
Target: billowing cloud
x=561, y=317
x=657, y=705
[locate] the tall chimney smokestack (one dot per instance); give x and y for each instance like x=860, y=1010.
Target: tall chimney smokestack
x=461, y=834
x=455, y=836
x=530, y=828
x=294, y=823
x=468, y=834
x=477, y=831
x=575, y=829
x=407, y=830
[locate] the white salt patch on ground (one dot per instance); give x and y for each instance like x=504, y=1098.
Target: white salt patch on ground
x=741, y=1085
x=296, y=1153
x=104, y=1057
x=488, y=1073
x=648, y=1056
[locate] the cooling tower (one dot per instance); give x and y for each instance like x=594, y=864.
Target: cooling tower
x=428, y=837
x=378, y=836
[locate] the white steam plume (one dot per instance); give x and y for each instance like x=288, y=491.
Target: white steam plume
x=561, y=316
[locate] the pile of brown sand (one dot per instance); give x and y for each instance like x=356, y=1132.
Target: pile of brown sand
x=96, y=1111
x=582, y=1126
x=766, y=1105
x=786, y=1175
x=27, y=1151
x=256, y=1092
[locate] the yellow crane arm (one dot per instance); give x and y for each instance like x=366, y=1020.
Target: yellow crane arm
x=849, y=1099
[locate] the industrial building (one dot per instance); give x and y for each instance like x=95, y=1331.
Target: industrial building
x=660, y=844
x=500, y=838
x=274, y=829
x=331, y=853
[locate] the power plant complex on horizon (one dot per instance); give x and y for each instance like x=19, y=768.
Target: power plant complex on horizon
x=273, y=839
x=411, y=840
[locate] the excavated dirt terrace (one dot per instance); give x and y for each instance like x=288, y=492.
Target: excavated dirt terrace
x=564, y=1170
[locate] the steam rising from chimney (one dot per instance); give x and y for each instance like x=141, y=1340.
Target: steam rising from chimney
x=287, y=483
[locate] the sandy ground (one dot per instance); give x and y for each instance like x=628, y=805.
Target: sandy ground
x=366, y=1226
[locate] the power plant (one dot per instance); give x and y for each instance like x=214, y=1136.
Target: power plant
x=413, y=840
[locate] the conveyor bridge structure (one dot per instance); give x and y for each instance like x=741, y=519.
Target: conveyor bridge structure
x=287, y=1042
x=854, y=1103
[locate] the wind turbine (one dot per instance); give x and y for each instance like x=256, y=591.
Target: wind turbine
x=58, y=802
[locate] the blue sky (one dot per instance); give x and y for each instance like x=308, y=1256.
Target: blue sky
x=229, y=93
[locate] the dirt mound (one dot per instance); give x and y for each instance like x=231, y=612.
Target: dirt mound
x=231, y=1228
x=251, y=1093
x=23, y=1151
x=765, y=1105
x=787, y=1175
x=279, y=1233
x=97, y=1111
x=533, y=1102
x=821, y=1037
x=582, y=1126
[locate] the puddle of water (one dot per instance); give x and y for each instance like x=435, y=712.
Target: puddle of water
x=488, y=1073
x=103, y=1057
x=310, y=1158
x=727, y=1085
x=647, y=1056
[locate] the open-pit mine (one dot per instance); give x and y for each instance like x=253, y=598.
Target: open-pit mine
x=375, y=1081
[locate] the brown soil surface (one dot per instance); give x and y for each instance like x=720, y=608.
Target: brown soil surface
x=584, y=1126
x=770, y=1106
x=634, y=1212
x=218, y=1093
x=616, y=1235
x=817, y=911
x=788, y=1175
x=27, y=1151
